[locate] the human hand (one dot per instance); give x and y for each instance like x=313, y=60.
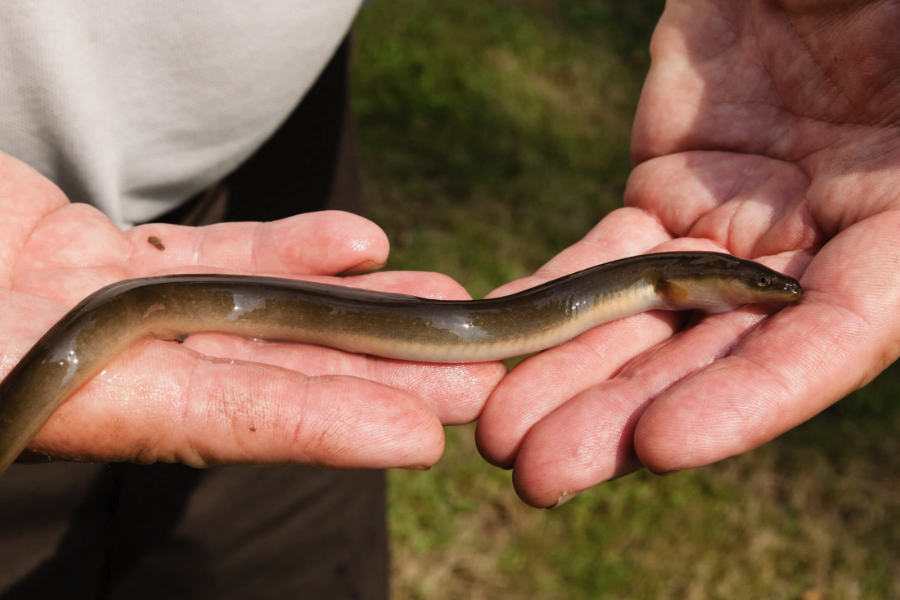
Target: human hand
x=767, y=130
x=265, y=403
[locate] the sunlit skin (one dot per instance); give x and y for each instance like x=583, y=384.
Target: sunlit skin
x=768, y=130
x=220, y=399
x=764, y=133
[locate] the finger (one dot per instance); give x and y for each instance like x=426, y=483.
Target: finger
x=540, y=384
x=202, y=412
x=588, y=439
x=843, y=333
x=751, y=205
x=80, y=250
x=323, y=243
x=623, y=232
x=454, y=393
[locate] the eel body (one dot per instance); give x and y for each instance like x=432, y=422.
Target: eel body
x=382, y=324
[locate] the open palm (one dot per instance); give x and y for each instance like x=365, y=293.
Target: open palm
x=768, y=130
x=220, y=399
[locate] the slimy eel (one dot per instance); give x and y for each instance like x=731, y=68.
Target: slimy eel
x=382, y=324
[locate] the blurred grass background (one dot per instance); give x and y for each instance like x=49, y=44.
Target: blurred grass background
x=494, y=134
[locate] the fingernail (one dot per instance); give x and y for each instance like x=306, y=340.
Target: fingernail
x=563, y=498
x=417, y=468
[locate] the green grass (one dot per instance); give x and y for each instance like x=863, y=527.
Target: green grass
x=485, y=147
x=494, y=134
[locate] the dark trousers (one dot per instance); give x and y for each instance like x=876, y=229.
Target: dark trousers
x=168, y=531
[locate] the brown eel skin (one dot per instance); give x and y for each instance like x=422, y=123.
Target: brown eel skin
x=376, y=323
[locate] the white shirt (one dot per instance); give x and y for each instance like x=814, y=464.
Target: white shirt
x=136, y=105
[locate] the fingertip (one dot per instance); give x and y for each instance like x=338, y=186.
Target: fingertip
x=431, y=453
x=322, y=243
x=377, y=426
x=471, y=383
x=514, y=407
x=664, y=439
x=653, y=451
x=424, y=432
x=500, y=455
x=534, y=491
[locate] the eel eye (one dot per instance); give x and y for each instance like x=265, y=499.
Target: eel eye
x=763, y=280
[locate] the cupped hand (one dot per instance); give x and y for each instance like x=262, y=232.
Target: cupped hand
x=220, y=399
x=768, y=130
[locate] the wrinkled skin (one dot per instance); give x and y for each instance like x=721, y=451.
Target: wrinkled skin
x=265, y=403
x=768, y=130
